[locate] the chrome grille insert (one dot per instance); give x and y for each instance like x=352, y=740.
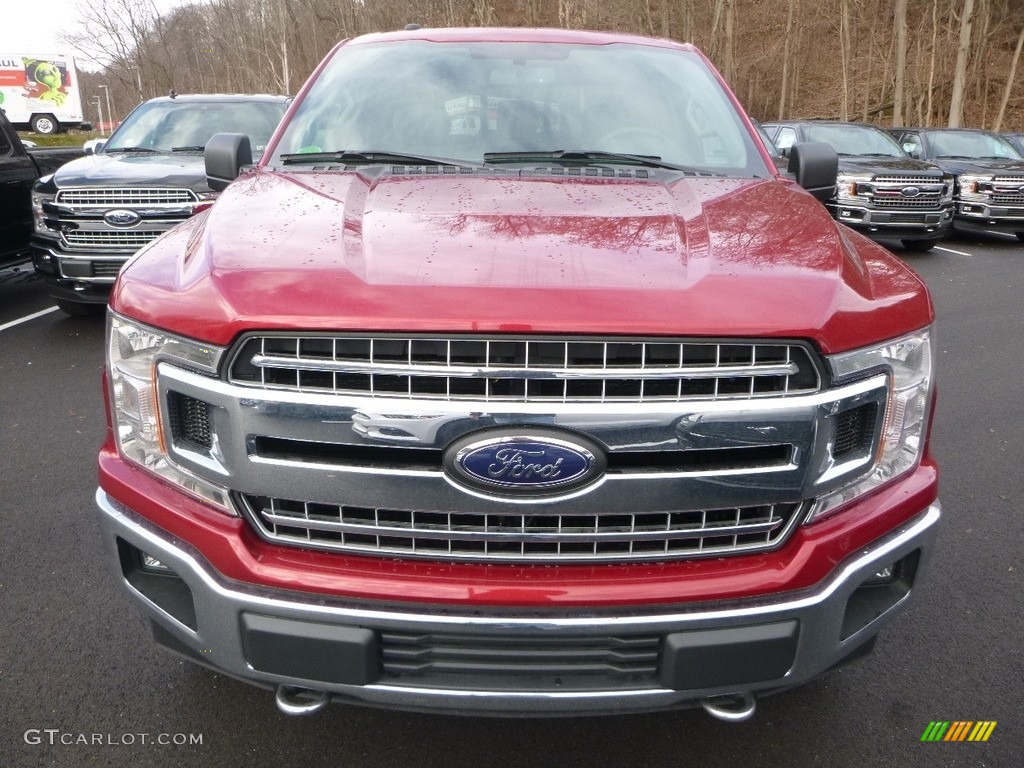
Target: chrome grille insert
x=128, y=196
x=521, y=537
x=131, y=239
x=905, y=203
x=526, y=369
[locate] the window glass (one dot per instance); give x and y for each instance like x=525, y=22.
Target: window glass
x=786, y=138
x=971, y=144
x=855, y=140
x=166, y=125
x=461, y=100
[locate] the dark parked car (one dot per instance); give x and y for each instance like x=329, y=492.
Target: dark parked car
x=881, y=191
x=989, y=171
x=148, y=177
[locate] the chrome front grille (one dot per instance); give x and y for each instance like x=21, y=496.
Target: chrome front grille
x=1004, y=199
x=359, y=470
x=525, y=370
x=521, y=536
x=888, y=192
x=78, y=214
x=127, y=196
x=1008, y=190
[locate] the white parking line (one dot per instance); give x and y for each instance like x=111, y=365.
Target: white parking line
x=27, y=318
x=950, y=250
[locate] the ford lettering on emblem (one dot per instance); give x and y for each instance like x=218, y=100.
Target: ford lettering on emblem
x=910, y=191
x=121, y=218
x=525, y=462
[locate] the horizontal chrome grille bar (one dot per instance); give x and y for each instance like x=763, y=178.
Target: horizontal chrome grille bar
x=695, y=372
x=905, y=180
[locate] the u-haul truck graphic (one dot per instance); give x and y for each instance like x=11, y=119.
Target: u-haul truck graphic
x=40, y=92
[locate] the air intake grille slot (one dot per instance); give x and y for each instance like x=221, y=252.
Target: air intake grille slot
x=526, y=370
x=855, y=429
x=190, y=420
x=523, y=663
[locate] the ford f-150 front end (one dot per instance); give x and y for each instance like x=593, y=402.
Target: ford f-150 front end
x=477, y=395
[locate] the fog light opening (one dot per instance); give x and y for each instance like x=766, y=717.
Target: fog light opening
x=150, y=563
x=885, y=575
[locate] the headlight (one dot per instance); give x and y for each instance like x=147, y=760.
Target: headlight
x=133, y=352
x=847, y=185
x=949, y=183
x=975, y=187
x=38, y=217
x=908, y=362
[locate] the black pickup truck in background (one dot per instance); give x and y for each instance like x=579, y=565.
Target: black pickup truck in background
x=148, y=177
x=19, y=168
x=989, y=171
x=881, y=191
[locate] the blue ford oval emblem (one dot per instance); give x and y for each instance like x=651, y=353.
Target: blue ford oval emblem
x=910, y=191
x=524, y=462
x=121, y=218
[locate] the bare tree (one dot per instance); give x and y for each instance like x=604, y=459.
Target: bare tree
x=963, y=51
x=900, y=24
x=998, y=123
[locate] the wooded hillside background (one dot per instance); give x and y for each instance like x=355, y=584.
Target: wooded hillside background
x=891, y=62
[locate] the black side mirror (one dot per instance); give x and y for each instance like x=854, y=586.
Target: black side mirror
x=225, y=155
x=815, y=166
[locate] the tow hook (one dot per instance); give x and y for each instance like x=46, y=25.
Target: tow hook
x=300, y=701
x=732, y=708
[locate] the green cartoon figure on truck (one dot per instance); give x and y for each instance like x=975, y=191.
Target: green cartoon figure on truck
x=49, y=77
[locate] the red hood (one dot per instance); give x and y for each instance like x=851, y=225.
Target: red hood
x=479, y=253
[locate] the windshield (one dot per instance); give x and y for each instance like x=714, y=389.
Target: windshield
x=462, y=100
x=972, y=144
x=187, y=125
x=856, y=140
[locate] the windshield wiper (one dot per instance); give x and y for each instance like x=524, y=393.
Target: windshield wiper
x=370, y=157
x=586, y=156
x=197, y=148
x=956, y=157
x=143, y=150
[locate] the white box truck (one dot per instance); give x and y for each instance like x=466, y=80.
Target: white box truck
x=40, y=92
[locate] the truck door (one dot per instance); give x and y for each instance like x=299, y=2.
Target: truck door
x=16, y=176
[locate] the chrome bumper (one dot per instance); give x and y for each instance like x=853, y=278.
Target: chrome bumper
x=829, y=623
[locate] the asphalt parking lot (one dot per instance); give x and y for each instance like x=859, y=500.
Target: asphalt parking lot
x=83, y=684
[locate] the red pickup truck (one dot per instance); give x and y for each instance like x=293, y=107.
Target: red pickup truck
x=515, y=378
